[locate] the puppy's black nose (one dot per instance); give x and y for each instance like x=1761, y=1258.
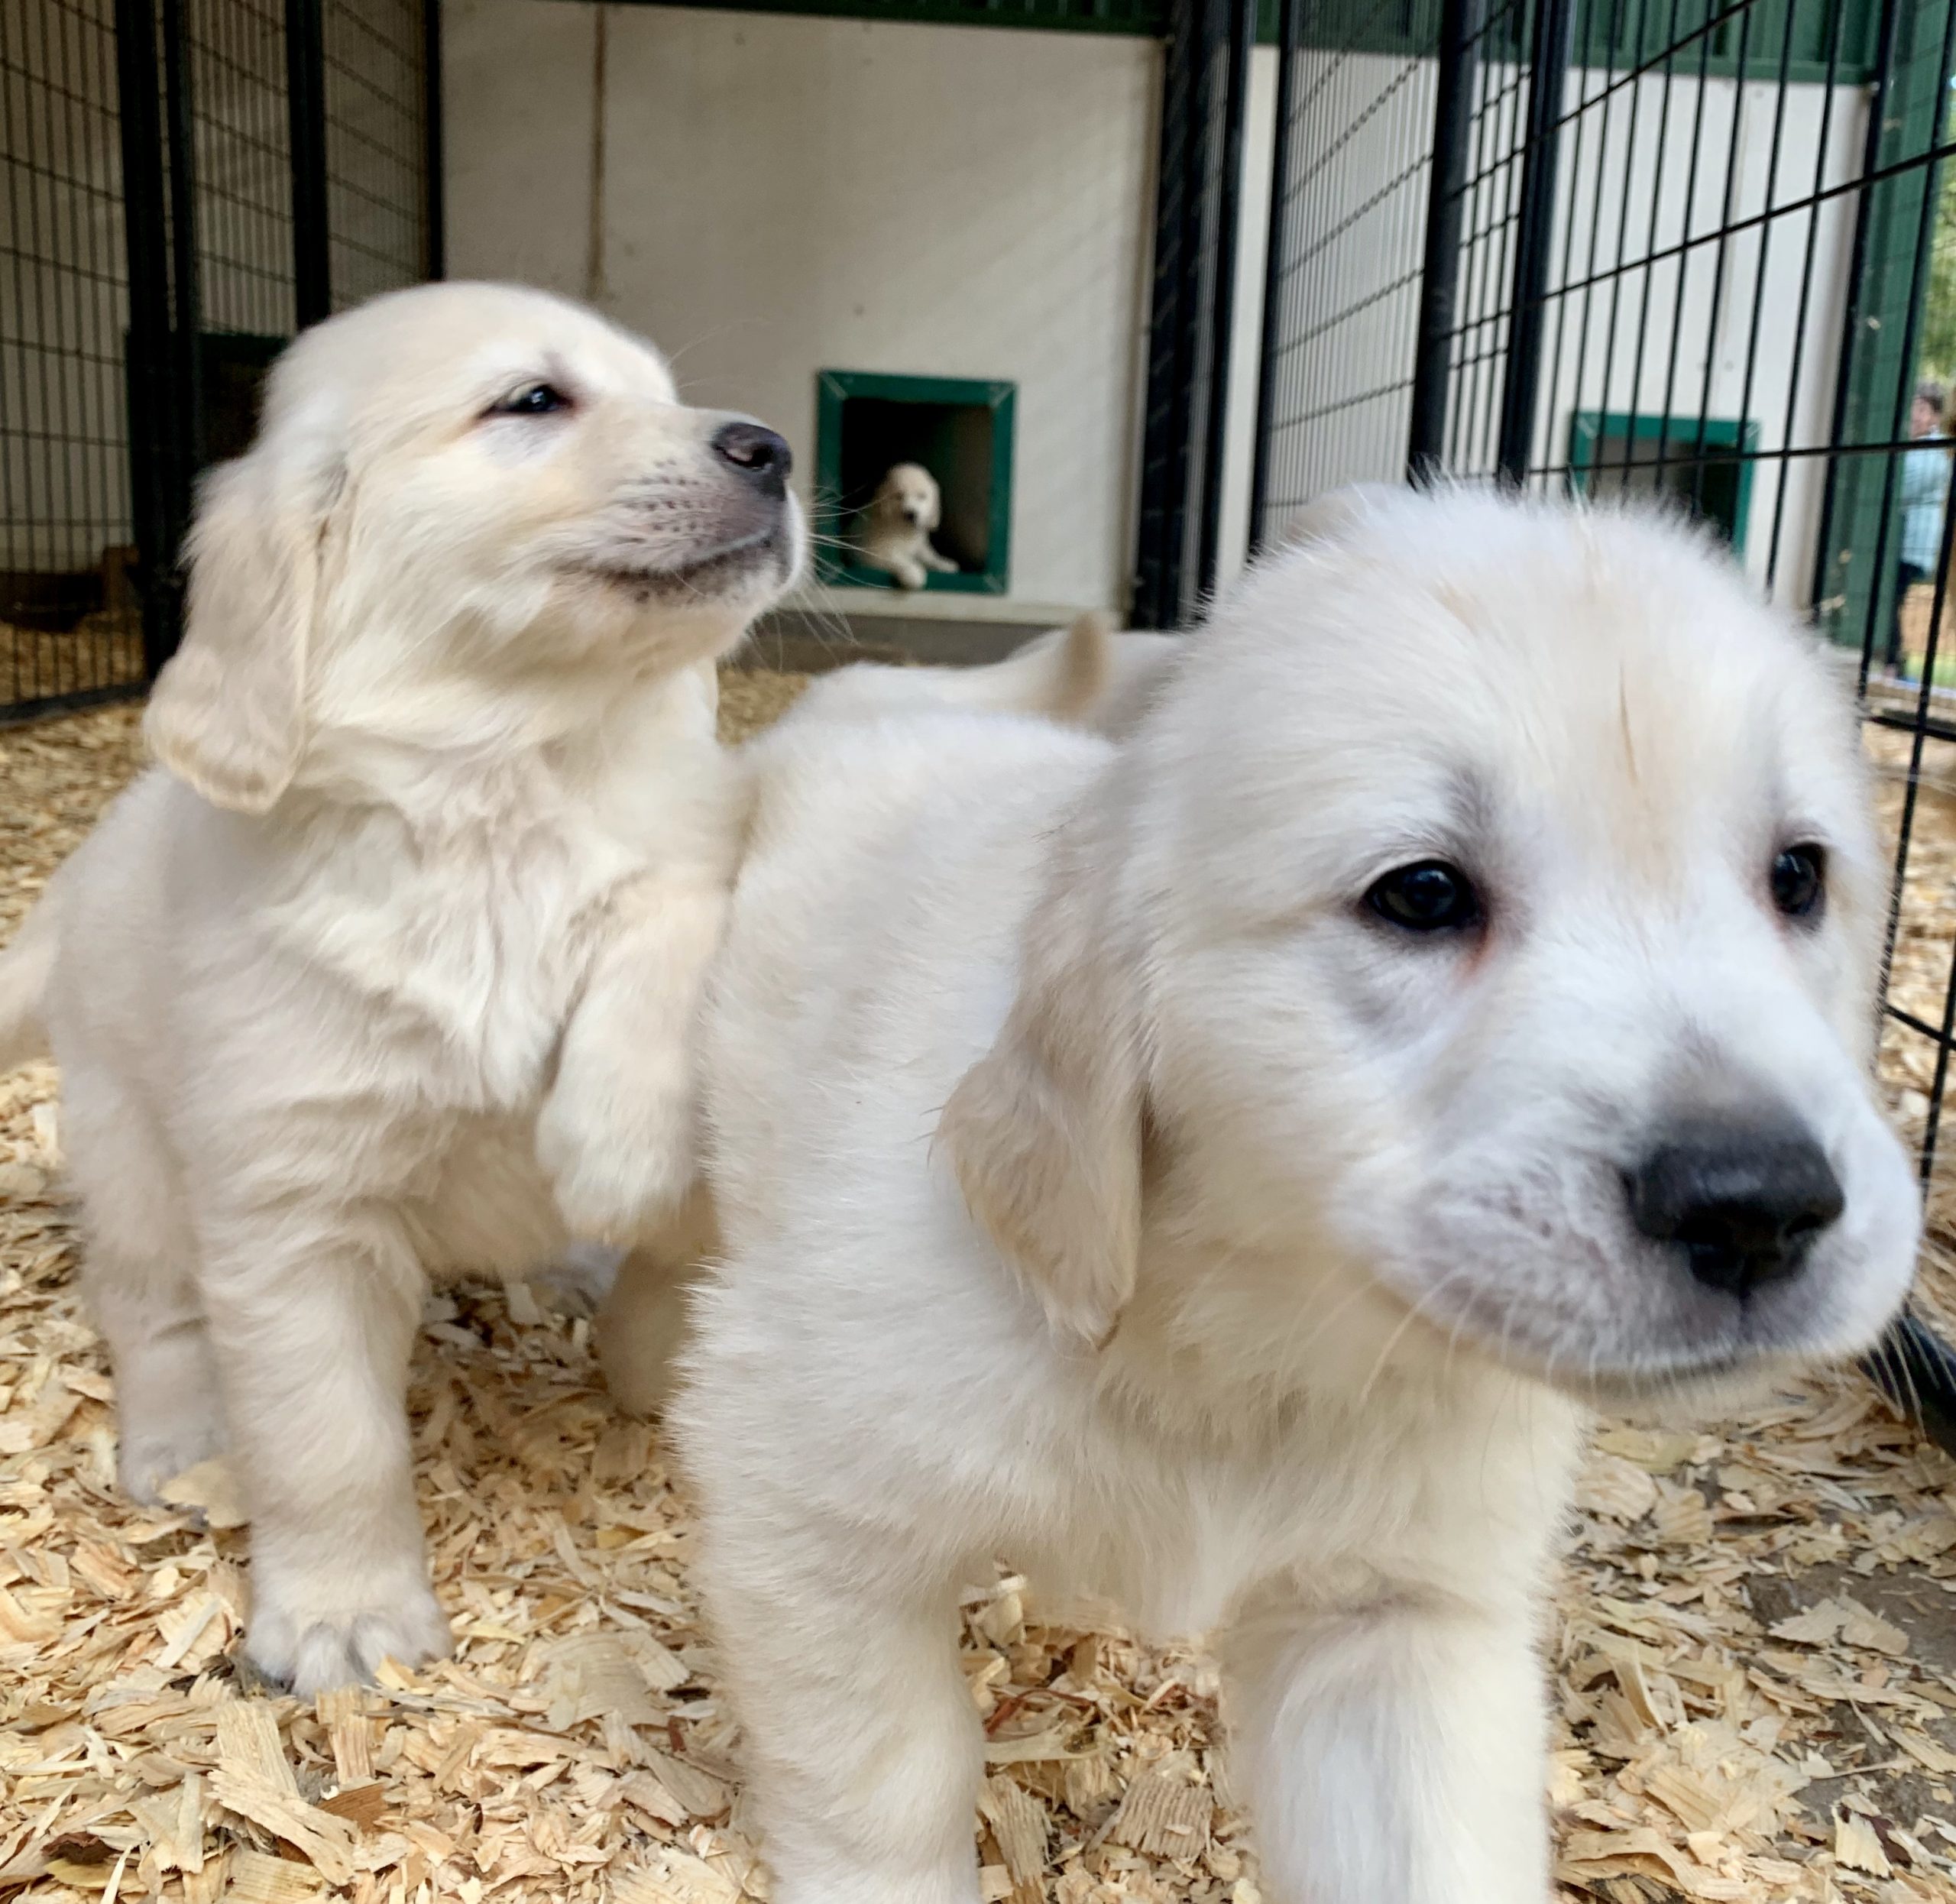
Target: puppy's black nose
x=1745, y=1199
x=761, y=456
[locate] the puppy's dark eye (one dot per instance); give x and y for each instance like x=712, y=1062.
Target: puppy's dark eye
x=1427, y=896
x=533, y=399
x=1799, y=881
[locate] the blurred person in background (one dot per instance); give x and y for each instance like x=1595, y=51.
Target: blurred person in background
x=1924, y=495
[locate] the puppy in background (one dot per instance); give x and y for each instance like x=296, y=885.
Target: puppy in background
x=1216, y=1174
x=389, y=967
x=895, y=531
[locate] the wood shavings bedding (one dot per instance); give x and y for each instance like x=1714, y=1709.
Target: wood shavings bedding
x=1752, y=1643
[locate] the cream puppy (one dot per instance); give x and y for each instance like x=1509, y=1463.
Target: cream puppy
x=388, y=966
x=1215, y=1175
x=895, y=534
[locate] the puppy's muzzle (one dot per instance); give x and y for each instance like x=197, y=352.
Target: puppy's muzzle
x=759, y=457
x=1744, y=1201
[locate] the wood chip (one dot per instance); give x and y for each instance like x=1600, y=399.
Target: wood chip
x=592, y=1674
x=349, y=1733
x=1856, y=1845
x=1164, y=1816
x=255, y=1878
x=211, y=1489
x=361, y=1806
x=249, y=1746
x=327, y=1843
x=1019, y=1823
x=702, y=1795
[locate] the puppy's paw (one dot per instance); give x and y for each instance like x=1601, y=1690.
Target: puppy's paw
x=642, y=1325
x=155, y=1452
x=312, y=1650
x=617, y=1162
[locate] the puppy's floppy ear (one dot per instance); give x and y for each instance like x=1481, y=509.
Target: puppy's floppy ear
x=227, y=714
x=1044, y=1132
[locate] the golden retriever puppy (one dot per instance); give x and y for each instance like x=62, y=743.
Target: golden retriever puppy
x=388, y=967
x=1216, y=1174
x=895, y=531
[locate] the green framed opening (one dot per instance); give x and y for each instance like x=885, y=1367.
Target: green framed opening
x=959, y=428
x=1616, y=453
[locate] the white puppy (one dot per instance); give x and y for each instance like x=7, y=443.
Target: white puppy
x=895, y=531
x=389, y=966
x=1214, y=1174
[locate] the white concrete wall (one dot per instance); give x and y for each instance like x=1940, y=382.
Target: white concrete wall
x=779, y=195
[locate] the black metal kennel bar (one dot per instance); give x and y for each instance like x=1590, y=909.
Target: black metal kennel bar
x=305, y=94
x=1242, y=17
x=160, y=499
x=1701, y=248
x=183, y=184
x=1205, y=91
x=1439, y=268
x=1548, y=70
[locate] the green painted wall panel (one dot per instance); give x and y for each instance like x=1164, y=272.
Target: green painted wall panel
x=1712, y=34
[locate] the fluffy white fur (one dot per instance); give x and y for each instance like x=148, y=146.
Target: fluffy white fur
x=1108, y=1191
x=1082, y=674
x=895, y=534
x=388, y=968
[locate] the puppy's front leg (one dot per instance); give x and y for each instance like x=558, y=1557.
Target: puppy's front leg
x=1393, y=1752
x=864, y=1751
x=615, y=1136
x=312, y=1318
x=931, y=559
x=643, y=1318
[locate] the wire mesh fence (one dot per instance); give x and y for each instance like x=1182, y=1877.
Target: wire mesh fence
x=1349, y=189
x=380, y=215
x=68, y=627
x=167, y=222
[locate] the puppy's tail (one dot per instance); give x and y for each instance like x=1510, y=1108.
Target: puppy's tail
x=25, y=968
x=1062, y=674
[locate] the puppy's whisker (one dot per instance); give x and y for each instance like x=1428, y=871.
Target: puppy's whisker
x=1392, y=1341
x=1320, y=1320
